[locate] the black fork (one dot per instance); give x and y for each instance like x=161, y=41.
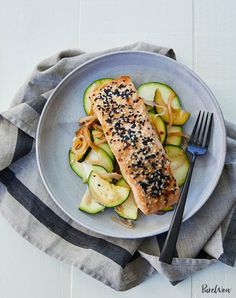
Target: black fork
x=197, y=146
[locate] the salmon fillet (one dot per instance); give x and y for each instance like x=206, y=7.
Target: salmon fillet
x=135, y=144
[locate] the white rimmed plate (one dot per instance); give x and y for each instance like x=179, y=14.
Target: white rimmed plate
x=59, y=120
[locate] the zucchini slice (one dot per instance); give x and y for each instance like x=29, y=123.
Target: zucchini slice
x=103, y=146
x=179, y=116
x=167, y=209
x=159, y=125
x=91, y=88
x=151, y=110
x=179, y=163
x=128, y=209
x=89, y=205
x=147, y=92
x=82, y=169
x=105, y=193
x=99, y=157
x=174, y=139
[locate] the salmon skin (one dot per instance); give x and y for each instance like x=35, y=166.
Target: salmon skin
x=135, y=144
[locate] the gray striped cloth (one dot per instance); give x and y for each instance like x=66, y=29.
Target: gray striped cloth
x=209, y=236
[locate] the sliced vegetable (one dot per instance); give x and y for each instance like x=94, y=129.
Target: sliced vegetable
x=110, y=176
x=99, y=157
x=159, y=125
x=147, y=92
x=174, y=135
x=88, y=120
x=82, y=169
x=91, y=88
x=128, y=209
x=179, y=163
x=170, y=115
x=80, y=148
x=89, y=205
x=82, y=153
x=105, y=193
x=151, y=110
x=163, y=211
x=103, y=145
x=167, y=209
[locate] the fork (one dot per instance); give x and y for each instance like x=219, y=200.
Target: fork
x=197, y=146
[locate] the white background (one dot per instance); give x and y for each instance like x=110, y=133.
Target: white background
x=202, y=32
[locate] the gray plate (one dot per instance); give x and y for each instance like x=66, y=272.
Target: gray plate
x=59, y=121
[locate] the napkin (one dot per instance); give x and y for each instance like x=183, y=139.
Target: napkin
x=207, y=237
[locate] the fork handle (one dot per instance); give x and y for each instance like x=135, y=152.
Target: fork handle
x=168, y=250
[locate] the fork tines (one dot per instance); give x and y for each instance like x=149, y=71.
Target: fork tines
x=202, y=129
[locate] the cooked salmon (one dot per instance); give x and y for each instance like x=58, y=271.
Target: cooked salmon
x=135, y=144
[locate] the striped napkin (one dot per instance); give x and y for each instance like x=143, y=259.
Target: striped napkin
x=208, y=237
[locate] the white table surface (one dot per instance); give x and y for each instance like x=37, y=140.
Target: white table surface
x=202, y=32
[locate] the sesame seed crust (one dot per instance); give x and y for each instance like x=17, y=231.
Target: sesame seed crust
x=135, y=144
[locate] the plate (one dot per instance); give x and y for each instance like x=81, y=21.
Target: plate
x=59, y=121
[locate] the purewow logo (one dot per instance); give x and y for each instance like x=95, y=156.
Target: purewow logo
x=215, y=290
